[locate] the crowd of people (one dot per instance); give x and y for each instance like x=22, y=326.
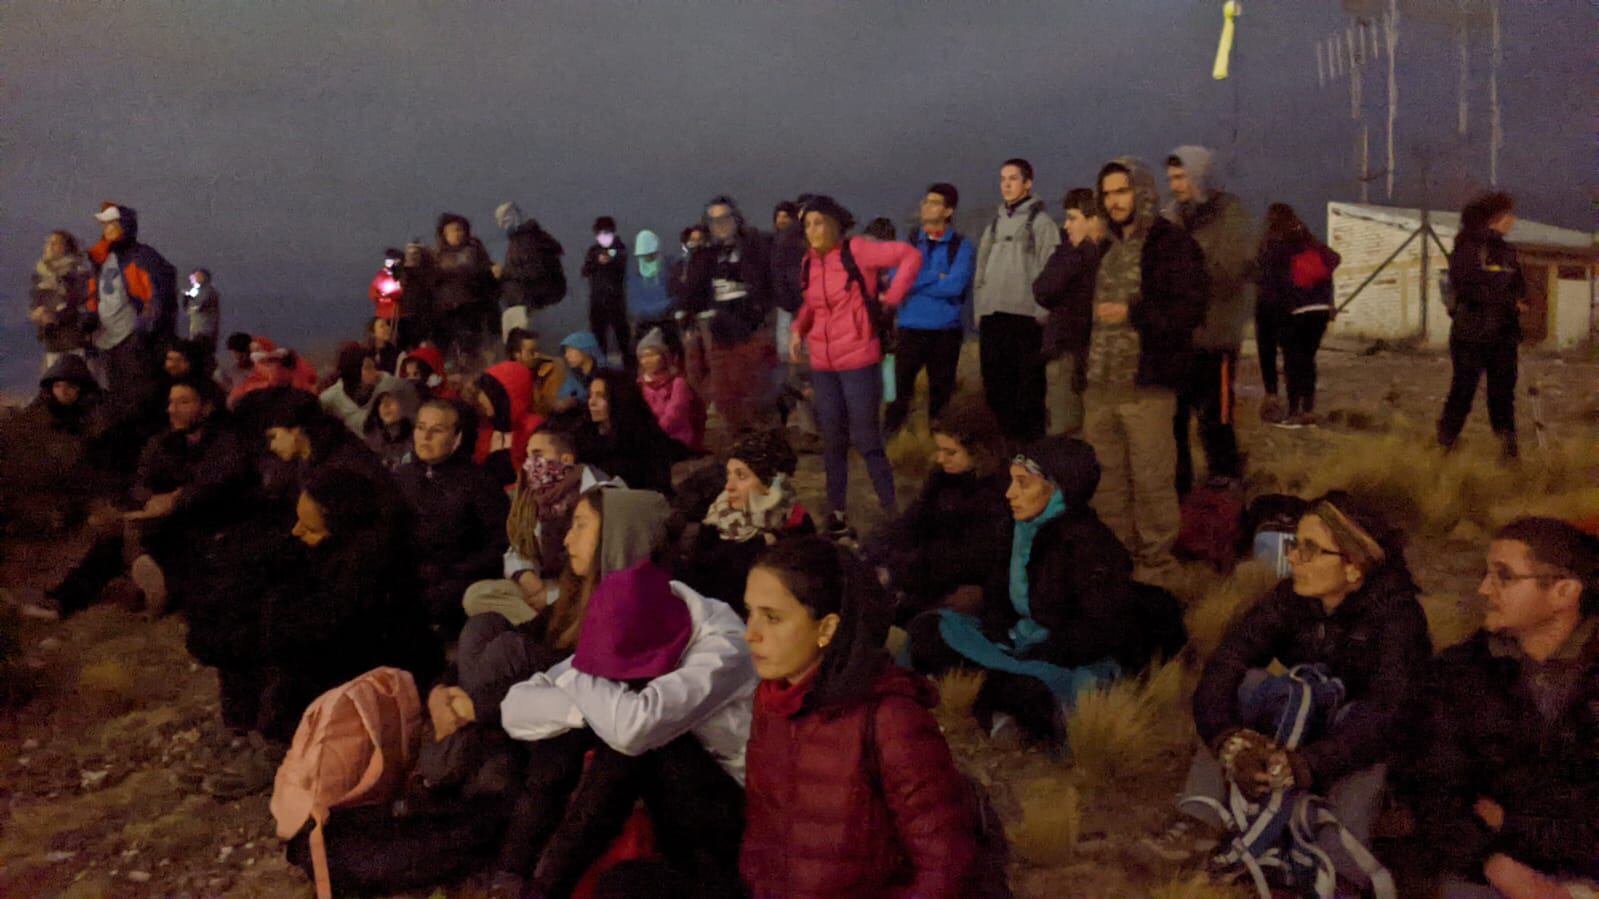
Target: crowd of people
x=594, y=625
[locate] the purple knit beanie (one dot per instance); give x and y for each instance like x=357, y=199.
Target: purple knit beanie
x=635, y=627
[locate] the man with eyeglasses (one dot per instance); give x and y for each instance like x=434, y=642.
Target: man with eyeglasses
x=1507, y=774
x=460, y=514
x=726, y=289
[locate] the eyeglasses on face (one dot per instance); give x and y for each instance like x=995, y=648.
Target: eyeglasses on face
x=1308, y=551
x=1499, y=576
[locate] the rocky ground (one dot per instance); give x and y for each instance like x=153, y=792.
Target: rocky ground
x=101, y=770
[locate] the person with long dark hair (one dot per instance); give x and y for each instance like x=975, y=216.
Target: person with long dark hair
x=850, y=788
x=621, y=437
x=1294, y=308
x=1488, y=293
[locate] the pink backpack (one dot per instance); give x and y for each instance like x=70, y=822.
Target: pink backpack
x=354, y=746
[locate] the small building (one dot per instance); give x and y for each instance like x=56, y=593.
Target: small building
x=1559, y=265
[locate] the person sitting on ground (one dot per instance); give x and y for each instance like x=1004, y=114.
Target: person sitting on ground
x=850, y=790
x=52, y=452
x=505, y=404
x=1348, y=617
x=659, y=688
x=622, y=438
x=195, y=464
x=380, y=343
x=1064, y=615
x=388, y=428
x=423, y=366
x=58, y=294
x=349, y=604
x=460, y=514
x=958, y=527
x=1508, y=768
x=522, y=345
x=68, y=402
x=232, y=372
x=350, y=399
x=273, y=366
x=678, y=409
x=301, y=437
x=581, y=351
x=612, y=528
x=756, y=508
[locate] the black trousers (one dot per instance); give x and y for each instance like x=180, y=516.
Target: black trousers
x=1300, y=344
x=1209, y=396
x=1010, y=350
x=607, y=317
x=1471, y=362
x=1269, y=327
x=937, y=351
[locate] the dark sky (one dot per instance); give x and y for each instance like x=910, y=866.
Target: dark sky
x=284, y=144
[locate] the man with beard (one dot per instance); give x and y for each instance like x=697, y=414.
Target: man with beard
x=726, y=289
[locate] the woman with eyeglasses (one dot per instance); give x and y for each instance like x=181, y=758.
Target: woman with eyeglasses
x=1347, y=623
x=1062, y=615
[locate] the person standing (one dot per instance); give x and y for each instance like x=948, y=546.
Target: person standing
x=1149, y=296
x=605, y=267
x=726, y=283
x=1066, y=288
x=930, y=329
x=1296, y=303
x=1488, y=290
x=1010, y=255
x=59, y=290
x=463, y=290
x=839, y=275
x=649, y=300
x=1219, y=224
x=202, y=306
x=531, y=276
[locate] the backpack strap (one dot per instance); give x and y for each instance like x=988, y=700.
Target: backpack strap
x=1033, y=212
x=852, y=271
x=952, y=247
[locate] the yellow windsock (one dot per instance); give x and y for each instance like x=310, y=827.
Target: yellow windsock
x=1224, y=50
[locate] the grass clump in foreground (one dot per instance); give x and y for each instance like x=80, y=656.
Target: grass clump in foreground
x=1197, y=886
x=1052, y=820
x=1126, y=729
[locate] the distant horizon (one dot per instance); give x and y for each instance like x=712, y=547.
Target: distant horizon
x=285, y=147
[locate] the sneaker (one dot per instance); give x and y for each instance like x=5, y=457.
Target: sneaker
x=1183, y=842
x=147, y=575
x=1290, y=423
x=1307, y=419
x=838, y=529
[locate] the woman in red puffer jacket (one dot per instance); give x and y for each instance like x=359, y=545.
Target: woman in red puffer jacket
x=851, y=791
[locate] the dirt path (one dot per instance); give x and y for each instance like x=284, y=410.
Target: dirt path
x=98, y=771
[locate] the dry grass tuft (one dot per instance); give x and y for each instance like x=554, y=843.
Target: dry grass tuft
x=1051, y=821
x=957, y=693
x=108, y=685
x=1125, y=729
x=1197, y=886
x=911, y=452
x=1449, y=620
x=1207, y=618
x=1581, y=503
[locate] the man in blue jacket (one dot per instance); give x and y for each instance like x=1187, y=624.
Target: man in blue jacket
x=929, y=321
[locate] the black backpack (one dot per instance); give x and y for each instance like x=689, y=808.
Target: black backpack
x=880, y=316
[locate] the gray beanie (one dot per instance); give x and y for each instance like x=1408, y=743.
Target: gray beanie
x=654, y=340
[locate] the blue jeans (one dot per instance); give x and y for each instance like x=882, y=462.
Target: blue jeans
x=848, y=404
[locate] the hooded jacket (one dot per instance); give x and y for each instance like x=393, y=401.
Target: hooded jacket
x=509, y=386
x=708, y=693
x=144, y=297
x=955, y=533
x=1005, y=268
x=1375, y=641
x=576, y=385
x=532, y=274
x=1173, y=286
x=461, y=276
x=1220, y=225
x=338, y=401
x=834, y=318
x=1080, y=579
x=74, y=420
x=648, y=298
x=824, y=821
x=391, y=443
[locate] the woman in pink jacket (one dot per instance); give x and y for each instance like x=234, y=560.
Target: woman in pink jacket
x=835, y=325
x=677, y=407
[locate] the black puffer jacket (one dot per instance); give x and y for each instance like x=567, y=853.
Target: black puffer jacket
x=1485, y=738
x=1066, y=288
x=955, y=533
x=1079, y=579
x=607, y=280
x=1175, y=291
x=1487, y=280
x=532, y=275
x=1375, y=642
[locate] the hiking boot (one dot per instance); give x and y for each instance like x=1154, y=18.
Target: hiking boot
x=838, y=530
x=152, y=582
x=1183, y=842
x=1271, y=409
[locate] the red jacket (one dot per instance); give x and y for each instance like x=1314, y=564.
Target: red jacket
x=385, y=292
x=517, y=418
x=821, y=822
x=834, y=317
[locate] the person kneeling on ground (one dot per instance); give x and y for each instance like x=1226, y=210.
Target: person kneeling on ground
x=1508, y=772
x=678, y=409
x=659, y=689
x=952, y=535
x=851, y=791
x=1063, y=616
x=1353, y=637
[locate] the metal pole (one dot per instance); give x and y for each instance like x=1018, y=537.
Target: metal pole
x=1426, y=257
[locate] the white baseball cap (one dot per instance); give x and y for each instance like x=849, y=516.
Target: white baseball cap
x=110, y=212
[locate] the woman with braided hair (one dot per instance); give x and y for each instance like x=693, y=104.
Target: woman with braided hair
x=757, y=507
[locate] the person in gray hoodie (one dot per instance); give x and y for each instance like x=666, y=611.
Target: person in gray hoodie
x=1010, y=324
x=1225, y=232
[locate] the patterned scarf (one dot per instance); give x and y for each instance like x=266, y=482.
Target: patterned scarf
x=766, y=513
x=547, y=479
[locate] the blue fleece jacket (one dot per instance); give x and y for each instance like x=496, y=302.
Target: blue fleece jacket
x=647, y=298
x=935, y=299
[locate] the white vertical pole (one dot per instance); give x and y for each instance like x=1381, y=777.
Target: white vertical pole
x=1497, y=135
x=1392, y=29
x=1462, y=48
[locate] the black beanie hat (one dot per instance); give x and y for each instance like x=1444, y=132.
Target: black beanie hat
x=829, y=207
x=767, y=453
x=605, y=223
